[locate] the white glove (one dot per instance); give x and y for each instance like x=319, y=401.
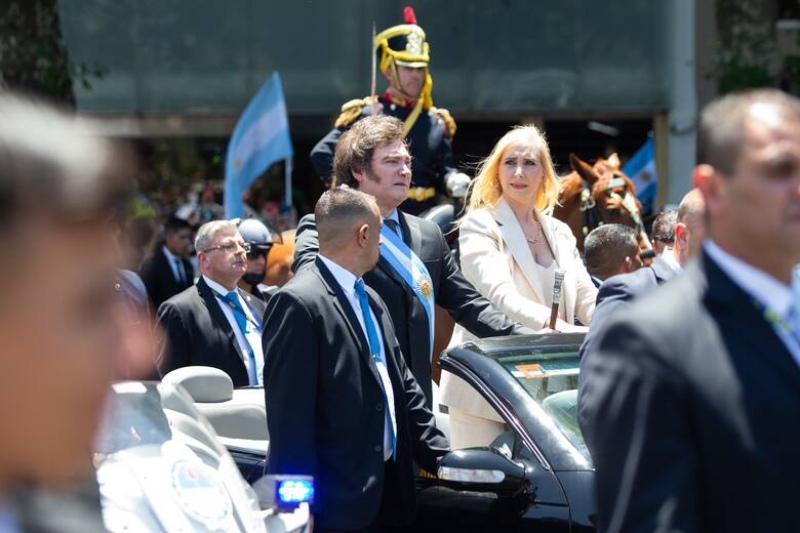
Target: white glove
x=457, y=184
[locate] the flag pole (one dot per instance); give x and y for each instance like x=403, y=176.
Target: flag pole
x=373, y=107
x=288, y=182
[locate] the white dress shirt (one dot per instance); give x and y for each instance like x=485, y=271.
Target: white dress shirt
x=249, y=339
x=770, y=292
x=347, y=282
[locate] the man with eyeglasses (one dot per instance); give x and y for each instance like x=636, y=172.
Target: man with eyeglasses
x=214, y=323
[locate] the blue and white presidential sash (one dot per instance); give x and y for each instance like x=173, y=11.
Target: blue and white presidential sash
x=413, y=271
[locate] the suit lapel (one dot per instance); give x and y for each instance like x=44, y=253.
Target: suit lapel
x=344, y=308
x=347, y=312
x=411, y=232
x=219, y=317
x=732, y=307
x=517, y=245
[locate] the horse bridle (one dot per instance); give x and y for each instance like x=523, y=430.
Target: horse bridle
x=592, y=217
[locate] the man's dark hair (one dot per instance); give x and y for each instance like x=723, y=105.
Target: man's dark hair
x=722, y=123
x=663, y=229
x=53, y=168
x=606, y=248
x=356, y=146
x=338, y=210
x=175, y=224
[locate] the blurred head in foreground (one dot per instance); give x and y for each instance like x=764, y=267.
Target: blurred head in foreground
x=60, y=335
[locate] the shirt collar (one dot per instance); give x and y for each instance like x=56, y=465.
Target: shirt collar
x=344, y=277
x=774, y=294
x=668, y=255
x=172, y=257
x=393, y=216
x=8, y=521
x=216, y=287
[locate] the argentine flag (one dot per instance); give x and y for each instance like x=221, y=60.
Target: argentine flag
x=261, y=138
x=641, y=168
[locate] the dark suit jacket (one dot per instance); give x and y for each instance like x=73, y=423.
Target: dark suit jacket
x=693, y=411
x=325, y=404
x=197, y=333
x=617, y=292
x=157, y=275
x=450, y=289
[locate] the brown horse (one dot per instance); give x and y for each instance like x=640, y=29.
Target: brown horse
x=593, y=195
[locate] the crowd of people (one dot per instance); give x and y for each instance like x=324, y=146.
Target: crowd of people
x=689, y=369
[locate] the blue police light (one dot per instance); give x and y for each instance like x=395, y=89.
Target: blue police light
x=284, y=492
x=295, y=491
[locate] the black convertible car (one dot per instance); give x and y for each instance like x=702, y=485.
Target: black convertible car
x=537, y=476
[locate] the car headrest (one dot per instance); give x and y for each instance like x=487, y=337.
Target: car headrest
x=204, y=383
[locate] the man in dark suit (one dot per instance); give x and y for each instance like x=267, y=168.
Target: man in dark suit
x=695, y=385
x=341, y=404
x=617, y=291
x=214, y=323
x=416, y=270
x=168, y=271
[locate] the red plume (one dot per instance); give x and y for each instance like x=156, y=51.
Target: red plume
x=408, y=15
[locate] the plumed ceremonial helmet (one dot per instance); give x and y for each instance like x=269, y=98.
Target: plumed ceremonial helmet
x=403, y=44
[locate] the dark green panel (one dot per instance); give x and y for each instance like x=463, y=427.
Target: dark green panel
x=488, y=56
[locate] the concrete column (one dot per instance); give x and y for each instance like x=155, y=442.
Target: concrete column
x=682, y=117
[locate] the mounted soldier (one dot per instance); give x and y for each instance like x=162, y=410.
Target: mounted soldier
x=403, y=56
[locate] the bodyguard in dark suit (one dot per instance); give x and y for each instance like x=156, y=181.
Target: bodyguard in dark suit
x=341, y=403
x=372, y=156
x=617, y=292
x=694, y=385
x=213, y=323
x=168, y=271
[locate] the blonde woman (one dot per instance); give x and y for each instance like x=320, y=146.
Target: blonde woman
x=510, y=250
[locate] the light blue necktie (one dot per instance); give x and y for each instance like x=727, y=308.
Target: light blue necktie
x=232, y=299
x=374, y=348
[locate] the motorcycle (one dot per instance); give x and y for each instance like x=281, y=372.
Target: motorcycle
x=161, y=467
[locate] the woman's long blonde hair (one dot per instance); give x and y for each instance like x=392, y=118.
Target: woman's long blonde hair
x=486, y=191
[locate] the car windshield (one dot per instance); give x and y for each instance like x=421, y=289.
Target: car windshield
x=551, y=378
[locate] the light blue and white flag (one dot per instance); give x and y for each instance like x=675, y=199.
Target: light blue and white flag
x=641, y=168
x=261, y=138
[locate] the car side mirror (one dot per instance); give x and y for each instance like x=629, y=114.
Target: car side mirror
x=482, y=470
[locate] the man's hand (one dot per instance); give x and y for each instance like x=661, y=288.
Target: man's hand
x=457, y=184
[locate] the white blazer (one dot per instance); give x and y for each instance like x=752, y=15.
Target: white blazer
x=496, y=259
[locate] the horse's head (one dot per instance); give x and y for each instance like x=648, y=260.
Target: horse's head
x=592, y=195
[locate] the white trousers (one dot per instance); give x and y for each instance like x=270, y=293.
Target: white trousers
x=470, y=431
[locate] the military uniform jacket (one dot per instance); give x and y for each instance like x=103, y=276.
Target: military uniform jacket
x=430, y=141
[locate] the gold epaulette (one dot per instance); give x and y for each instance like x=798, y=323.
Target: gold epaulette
x=449, y=121
x=351, y=111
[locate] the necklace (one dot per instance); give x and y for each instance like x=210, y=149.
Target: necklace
x=535, y=238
